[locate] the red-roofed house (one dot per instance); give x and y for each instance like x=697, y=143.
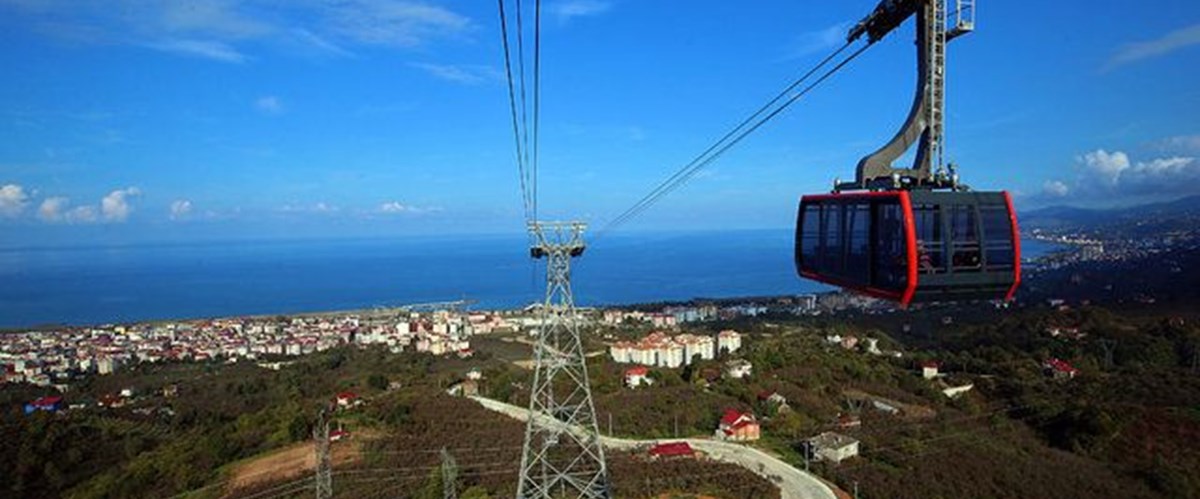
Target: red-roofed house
x=336, y=435
x=737, y=426
x=348, y=400
x=637, y=376
x=672, y=450
x=48, y=404
x=1059, y=369
x=929, y=369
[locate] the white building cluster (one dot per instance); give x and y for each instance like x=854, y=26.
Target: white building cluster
x=659, y=349
x=49, y=358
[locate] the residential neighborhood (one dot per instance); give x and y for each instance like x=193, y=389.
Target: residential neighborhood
x=55, y=357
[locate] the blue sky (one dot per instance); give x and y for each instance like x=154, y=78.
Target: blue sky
x=141, y=121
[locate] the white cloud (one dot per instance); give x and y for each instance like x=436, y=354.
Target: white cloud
x=393, y=207
x=1188, y=143
x=269, y=104
x=470, y=75
x=818, y=40
x=12, y=200
x=206, y=49
x=1055, y=189
x=180, y=209
x=393, y=23
x=1113, y=174
x=58, y=209
x=1163, y=45
x=566, y=10
x=81, y=214
x=1105, y=166
x=115, y=206
x=53, y=209
x=396, y=207
x=221, y=30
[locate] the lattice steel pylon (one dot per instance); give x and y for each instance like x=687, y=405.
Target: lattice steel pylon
x=324, y=475
x=561, y=456
x=449, y=476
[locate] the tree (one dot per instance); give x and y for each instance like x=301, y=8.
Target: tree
x=377, y=381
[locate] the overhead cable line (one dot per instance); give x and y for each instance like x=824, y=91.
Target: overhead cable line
x=512, y=101
x=768, y=111
x=523, y=107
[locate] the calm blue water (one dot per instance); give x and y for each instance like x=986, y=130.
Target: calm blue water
x=118, y=284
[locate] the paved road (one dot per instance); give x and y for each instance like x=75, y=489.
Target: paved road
x=793, y=483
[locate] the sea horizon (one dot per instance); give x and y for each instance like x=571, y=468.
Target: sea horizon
x=193, y=280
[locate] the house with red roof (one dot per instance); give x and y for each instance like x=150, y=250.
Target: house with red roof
x=1059, y=369
x=738, y=426
x=339, y=434
x=346, y=400
x=637, y=376
x=48, y=404
x=929, y=369
x=672, y=450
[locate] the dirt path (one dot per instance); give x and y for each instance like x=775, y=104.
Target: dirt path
x=289, y=463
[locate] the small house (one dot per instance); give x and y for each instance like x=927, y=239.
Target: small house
x=47, y=404
x=738, y=426
x=848, y=421
x=464, y=388
x=929, y=369
x=346, y=400
x=833, y=447
x=338, y=434
x=672, y=450
x=637, y=376
x=774, y=401
x=1059, y=369
x=738, y=368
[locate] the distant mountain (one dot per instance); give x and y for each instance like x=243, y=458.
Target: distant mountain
x=1161, y=215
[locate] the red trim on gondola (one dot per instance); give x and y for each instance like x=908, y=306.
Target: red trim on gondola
x=855, y=194
x=910, y=241
x=1016, y=240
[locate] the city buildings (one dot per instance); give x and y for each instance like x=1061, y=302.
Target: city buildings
x=52, y=358
x=660, y=350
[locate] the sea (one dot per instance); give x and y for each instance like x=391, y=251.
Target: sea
x=144, y=282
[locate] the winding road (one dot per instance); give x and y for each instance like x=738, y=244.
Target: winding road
x=793, y=483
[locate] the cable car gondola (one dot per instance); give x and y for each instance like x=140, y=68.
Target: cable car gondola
x=912, y=234
x=908, y=246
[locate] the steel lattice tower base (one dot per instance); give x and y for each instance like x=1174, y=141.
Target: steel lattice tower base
x=562, y=456
x=324, y=479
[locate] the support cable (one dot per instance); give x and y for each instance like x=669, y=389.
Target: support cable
x=751, y=123
x=512, y=101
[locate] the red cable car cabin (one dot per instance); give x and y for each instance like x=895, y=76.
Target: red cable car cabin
x=911, y=246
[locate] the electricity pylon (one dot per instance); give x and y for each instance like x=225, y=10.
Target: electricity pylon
x=561, y=456
x=449, y=476
x=324, y=477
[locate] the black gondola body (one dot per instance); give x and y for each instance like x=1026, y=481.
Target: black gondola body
x=911, y=246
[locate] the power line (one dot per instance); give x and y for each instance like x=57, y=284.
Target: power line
x=747, y=126
x=537, y=97
x=512, y=105
x=524, y=105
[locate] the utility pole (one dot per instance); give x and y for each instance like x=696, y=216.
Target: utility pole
x=562, y=454
x=1108, y=346
x=324, y=478
x=449, y=476
x=856, y=489
x=676, y=419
